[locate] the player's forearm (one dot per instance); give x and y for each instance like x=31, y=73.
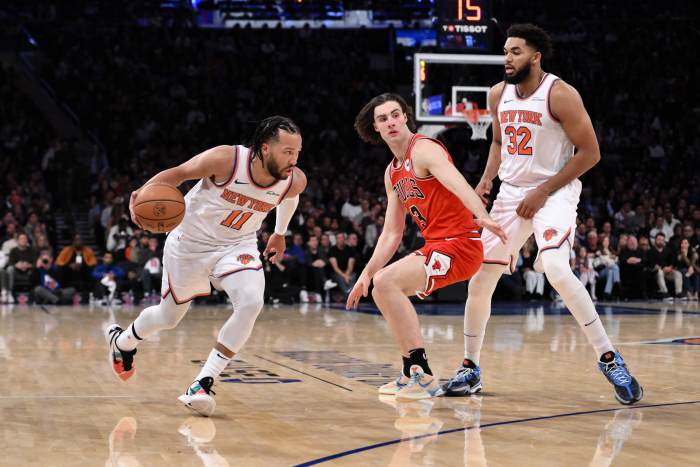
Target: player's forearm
x=471, y=201
x=577, y=166
x=387, y=244
x=173, y=176
x=455, y=183
x=493, y=163
x=284, y=213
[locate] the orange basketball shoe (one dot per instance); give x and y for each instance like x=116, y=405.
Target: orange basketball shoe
x=121, y=362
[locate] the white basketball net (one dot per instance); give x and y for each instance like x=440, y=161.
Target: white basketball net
x=479, y=121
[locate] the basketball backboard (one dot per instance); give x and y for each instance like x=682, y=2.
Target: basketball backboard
x=445, y=85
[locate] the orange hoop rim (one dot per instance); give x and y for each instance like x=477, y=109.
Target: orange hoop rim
x=473, y=115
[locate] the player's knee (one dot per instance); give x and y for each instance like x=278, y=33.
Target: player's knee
x=170, y=318
x=171, y=314
x=556, y=268
x=484, y=282
x=381, y=282
x=249, y=299
x=250, y=296
x=235, y=332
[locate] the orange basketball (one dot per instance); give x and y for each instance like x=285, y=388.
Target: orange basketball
x=159, y=207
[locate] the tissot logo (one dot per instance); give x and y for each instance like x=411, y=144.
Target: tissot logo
x=468, y=28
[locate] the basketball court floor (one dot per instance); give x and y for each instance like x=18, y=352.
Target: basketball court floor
x=304, y=391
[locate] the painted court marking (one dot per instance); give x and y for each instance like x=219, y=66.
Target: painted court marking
x=487, y=425
x=302, y=372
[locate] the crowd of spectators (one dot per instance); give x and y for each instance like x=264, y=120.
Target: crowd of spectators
x=157, y=95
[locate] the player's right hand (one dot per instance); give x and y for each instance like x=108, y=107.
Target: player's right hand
x=483, y=189
x=132, y=199
x=360, y=290
x=492, y=226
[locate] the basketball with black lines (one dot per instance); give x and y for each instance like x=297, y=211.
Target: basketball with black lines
x=159, y=207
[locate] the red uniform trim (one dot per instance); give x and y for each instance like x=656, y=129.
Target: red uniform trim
x=500, y=98
x=517, y=95
x=250, y=173
x=239, y=270
x=233, y=172
x=177, y=301
x=549, y=101
x=510, y=264
x=553, y=247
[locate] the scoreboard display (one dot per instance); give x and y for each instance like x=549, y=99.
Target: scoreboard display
x=464, y=24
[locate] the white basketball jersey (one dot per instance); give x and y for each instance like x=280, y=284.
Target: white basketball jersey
x=232, y=211
x=534, y=146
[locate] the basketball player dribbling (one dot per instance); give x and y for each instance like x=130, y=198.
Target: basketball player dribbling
x=421, y=180
x=216, y=242
x=543, y=140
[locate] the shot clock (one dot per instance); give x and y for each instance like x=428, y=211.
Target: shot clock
x=464, y=25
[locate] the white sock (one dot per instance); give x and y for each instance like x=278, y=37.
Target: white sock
x=478, y=309
x=128, y=339
x=214, y=365
x=581, y=306
x=476, y=316
x=576, y=298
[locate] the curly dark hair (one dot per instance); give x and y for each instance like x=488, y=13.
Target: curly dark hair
x=534, y=36
x=269, y=129
x=364, y=122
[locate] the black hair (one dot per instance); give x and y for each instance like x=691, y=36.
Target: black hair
x=364, y=122
x=534, y=36
x=269, y=129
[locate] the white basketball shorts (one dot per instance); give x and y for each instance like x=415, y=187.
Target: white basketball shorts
x=553, y=225
x=190, y=266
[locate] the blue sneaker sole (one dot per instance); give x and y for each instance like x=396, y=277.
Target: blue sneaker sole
x=464, y=391
x=632, y=401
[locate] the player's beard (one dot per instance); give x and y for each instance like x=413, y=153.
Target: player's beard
x=274, y=169
x=519, y=76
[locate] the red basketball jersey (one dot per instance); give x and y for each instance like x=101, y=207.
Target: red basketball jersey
x=436, y=210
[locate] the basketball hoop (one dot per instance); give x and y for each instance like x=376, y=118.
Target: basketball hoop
x=479, y=120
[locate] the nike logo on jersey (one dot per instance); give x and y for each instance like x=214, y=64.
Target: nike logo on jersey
x=509, y=100
x=539, y=99
x=238, y=182
x=273, y=193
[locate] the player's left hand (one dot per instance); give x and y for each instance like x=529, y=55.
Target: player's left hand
x=493, y=226
x=532, y=203
x=360, y=289
x=276, y=246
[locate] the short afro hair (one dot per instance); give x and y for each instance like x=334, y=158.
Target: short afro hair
x=534, y=36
